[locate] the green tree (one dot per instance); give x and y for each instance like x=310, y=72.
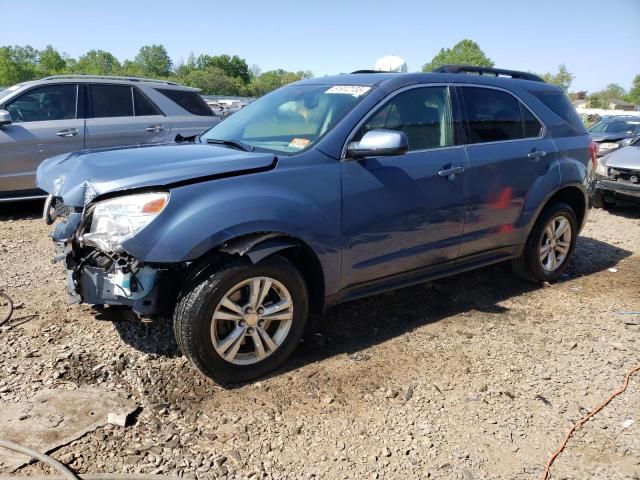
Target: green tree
x=604, y=98
x=273, y=79
x=615, y=91
x=154, y=60
x=634, y=94
x=213, y=81
x=50, y=62
x=184, y=68
x=17, y=64
x=97, y=62
x=465, y=52
x=562, y=77
x=235, y=66
x=131, y=68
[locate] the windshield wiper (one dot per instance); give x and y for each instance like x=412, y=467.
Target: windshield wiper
x=231, y=143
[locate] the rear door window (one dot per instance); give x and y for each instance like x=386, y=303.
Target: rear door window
x=192, y=102
x=111, y=101
x=142, y=105
x=51, y=102
x=493, y=115
x=561, y=106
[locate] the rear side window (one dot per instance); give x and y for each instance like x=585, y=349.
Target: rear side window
x=111, y=101
x=192, y=102
x=561, y=106
x=493, y=115
x=142, y=105
x=53, y=102
x=532, y=127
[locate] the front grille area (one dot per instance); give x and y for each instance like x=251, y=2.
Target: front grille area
x=624, y=174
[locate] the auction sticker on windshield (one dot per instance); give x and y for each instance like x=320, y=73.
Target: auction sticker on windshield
x=355, y=90
x=299, y=143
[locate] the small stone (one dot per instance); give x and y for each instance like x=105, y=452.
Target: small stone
x=235, y=456
x=173, y=443
x=118, y=419
x=219, y=461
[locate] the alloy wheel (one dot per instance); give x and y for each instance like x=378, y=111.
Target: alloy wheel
x=555, y=243
x=252, y=320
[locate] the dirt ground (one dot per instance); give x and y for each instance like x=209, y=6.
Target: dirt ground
x=473, y=377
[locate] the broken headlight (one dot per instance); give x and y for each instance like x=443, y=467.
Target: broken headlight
x=118, y=219
x=601, y=168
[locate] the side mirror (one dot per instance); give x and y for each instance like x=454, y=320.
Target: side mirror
x=5, y=118
x=378, y=143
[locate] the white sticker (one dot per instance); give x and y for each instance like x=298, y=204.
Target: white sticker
x=355, y=90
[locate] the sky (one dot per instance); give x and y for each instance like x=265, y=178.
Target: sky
x=598, y=40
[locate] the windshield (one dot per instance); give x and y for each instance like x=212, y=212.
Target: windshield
x=289, y=120
x=4, y=92
x=615, y=126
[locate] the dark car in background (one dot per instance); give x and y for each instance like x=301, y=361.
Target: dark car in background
x=612, y=133
x=320, y=192
x=66, y=113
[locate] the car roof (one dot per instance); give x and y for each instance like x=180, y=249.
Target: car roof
x=149, y=82
x=393, y=81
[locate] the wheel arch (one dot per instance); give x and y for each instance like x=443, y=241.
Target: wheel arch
x=575, y=197
x=255, y=247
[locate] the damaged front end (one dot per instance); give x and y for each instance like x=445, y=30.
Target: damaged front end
x=99, y=270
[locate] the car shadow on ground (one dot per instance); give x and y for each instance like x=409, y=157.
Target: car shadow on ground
x=357, y=325
x=627, y=210
x=23, y=210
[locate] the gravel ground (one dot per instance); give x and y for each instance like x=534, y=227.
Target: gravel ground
x=473, y=377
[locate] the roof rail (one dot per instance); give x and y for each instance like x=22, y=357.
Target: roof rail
x=109, y=77
x=368, y=71
x=497, y=72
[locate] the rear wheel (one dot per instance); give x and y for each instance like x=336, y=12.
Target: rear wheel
x=244, y=320
x=550, y=244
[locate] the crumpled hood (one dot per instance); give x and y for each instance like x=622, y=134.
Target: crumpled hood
x=603, y=136
x=84, y=175
x=627, y=157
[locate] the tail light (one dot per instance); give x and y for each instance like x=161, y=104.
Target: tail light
x=593, y=153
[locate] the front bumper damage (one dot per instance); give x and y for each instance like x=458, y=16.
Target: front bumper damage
x=618, y=189
x=96, y=277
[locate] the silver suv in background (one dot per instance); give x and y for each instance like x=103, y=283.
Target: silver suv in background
x=66, y=113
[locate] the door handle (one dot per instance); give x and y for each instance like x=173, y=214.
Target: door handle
x=68, y=132
x=537, y=154
x=155, y=128
x=450, y=172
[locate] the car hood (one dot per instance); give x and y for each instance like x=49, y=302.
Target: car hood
x=81, y=176
x=604, y=137
x=627, y=157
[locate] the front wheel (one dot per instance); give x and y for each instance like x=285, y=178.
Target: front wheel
x=550, y=244
x=243, y=321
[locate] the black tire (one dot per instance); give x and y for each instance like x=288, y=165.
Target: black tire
x=600, y=201
x=195, y=308
x=528, y=265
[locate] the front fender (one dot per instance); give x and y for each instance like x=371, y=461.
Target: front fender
x=203, y=216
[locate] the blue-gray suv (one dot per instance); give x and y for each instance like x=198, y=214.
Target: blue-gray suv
x=320, y=192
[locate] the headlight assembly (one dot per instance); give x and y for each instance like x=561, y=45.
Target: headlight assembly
x=118, y=219
x=601, y=168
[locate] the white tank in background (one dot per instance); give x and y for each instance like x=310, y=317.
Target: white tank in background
x=391, y=63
